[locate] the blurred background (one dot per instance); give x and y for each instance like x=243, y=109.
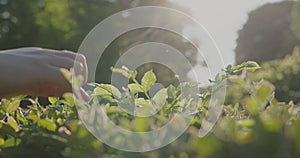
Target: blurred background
x=243, y=30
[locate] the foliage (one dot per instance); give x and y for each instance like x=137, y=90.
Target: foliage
x=283, y=73
x=255, y=126
x=270, y=33
x=279, y=61
x=253, y=122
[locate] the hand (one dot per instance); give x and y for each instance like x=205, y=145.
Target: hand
x=36, y=71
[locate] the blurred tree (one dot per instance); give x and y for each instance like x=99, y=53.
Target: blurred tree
x=296, y=19
x=267, y=34
x=17, y=25
x=58, y=24
x=63, y=24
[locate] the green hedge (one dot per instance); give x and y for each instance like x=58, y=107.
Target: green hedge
x=284, y=74
x=254, y=124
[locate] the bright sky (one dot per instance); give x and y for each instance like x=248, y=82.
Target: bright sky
x=222, y=18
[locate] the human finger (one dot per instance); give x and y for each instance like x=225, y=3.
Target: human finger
x=84, y=95
x=79, y=58
x=67, y=59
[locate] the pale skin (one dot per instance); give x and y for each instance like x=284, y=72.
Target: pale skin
x=37, y=71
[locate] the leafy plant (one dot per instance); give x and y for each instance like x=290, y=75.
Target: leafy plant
x=256, y=125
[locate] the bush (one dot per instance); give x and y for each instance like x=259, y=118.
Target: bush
x=256, y=125
x=284, y=74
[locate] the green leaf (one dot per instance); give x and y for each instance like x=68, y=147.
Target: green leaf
x=107, y=90
x=48, y=124
x=171, y=92
x=69, y=98
x=143, y=102
x=52, y=100
x=264, y=91
x=108, y=99
x=11, y=142
x=101, y=92
x=207, y=95
x=13, y=123
x=34, y=118
x=4, y=104
x=144, y=107
x=148, y=80
x=1, y=141
x=113, y=110
x=13, y=106
x=251, y=105
x=141, y=124
x=123, y=72
x=135, y=88
x=246, y=123
x=67, y=74
x=133, y=74
x=236, y=107
x=6, y=128
x=249, y=65
x=160, y=97
x=111, y=89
